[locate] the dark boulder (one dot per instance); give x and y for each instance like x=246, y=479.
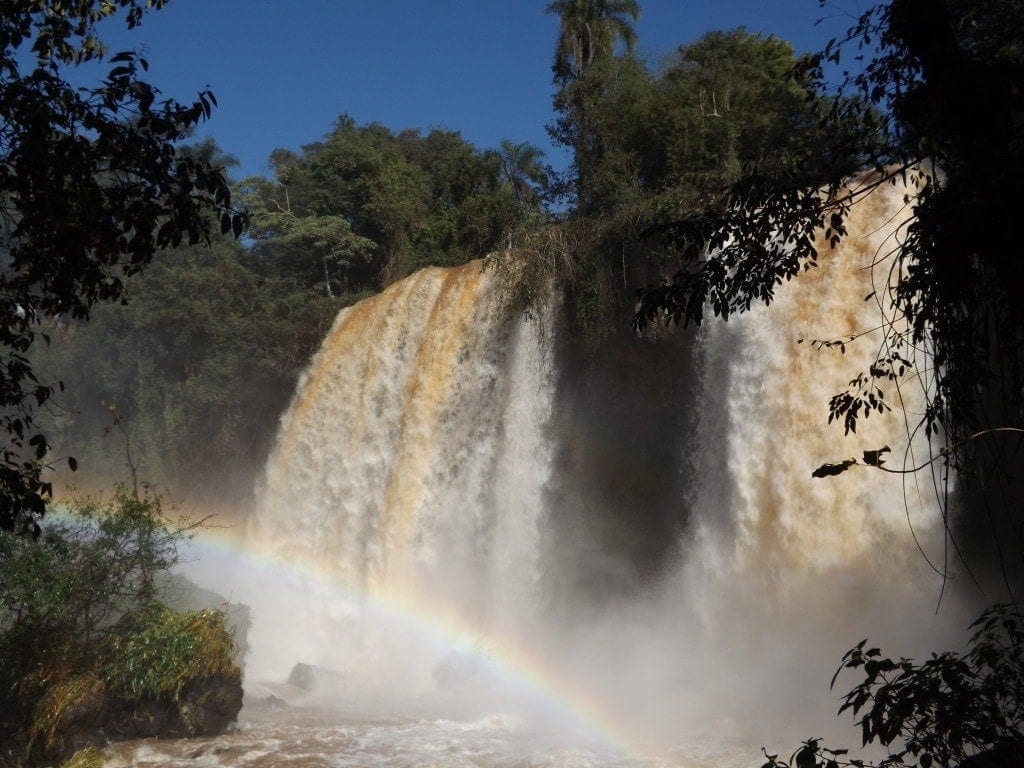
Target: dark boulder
x=309, y=677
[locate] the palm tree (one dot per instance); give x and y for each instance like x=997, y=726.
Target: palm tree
x=589, y=30
x=521, y=168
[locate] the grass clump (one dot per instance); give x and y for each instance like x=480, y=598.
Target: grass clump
x=90, y=757
x=59, y=703
x=164, y=650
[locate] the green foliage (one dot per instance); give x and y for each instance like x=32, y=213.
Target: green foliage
x=365, y=206
x=657, y=146
x=156, y=654
x=522, y=170
x=86, y=570
x=92, y=187
x=82, y=630
x=197, y=365
x=588, y=31
x=584, y=55
x=938, y=712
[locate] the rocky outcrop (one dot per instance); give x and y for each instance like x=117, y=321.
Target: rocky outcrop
x=205, y=707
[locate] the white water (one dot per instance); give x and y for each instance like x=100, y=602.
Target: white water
x=400, y=471
x=405, y=509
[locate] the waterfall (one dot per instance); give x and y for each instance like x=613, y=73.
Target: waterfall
x=413, y=457
x=763, y=423
x=419, y=454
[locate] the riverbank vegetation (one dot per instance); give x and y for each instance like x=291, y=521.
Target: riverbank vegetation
x=88, y=650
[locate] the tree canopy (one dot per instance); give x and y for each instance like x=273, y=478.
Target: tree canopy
x=655, y=144
x=588, y=31
x=91, y=188
x=365, y=206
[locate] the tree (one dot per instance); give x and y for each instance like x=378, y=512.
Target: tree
x=668, y=141
x=198, y=366
x=589, y=31
x=522, y=169
x=372, y=206
x=938, y=105
x=100, y=566
x=91, y=188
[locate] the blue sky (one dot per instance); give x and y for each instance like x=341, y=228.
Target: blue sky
x=283, y=71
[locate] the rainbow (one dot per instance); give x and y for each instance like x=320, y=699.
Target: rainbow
x=523, y=671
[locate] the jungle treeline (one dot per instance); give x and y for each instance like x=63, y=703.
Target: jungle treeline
x=185, y=381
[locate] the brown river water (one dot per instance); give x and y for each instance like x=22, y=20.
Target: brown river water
x=319, y=738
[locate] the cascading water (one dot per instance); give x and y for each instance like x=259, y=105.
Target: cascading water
x=411, y=497
x=413, y=459
x=783, y=571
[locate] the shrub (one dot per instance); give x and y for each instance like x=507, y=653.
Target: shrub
x=157, y=654
x=950, y=710
x=86, y=644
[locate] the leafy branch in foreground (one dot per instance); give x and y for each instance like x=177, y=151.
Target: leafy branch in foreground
x=876, y=458
x=950, y=710
x=91, y=187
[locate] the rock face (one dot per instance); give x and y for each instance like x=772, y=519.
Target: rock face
x=206, y=707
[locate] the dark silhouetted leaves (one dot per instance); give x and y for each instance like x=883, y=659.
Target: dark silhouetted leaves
x=831, y=470
x=94, y=186
x=876, y=458
x=954, y=709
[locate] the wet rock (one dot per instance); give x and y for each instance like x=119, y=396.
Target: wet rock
x=206, y=707
x=457, y=671
x=309, y=677
x=270, y=701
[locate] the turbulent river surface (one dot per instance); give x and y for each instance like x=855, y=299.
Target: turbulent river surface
x=324, y=738
x=412, y=542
